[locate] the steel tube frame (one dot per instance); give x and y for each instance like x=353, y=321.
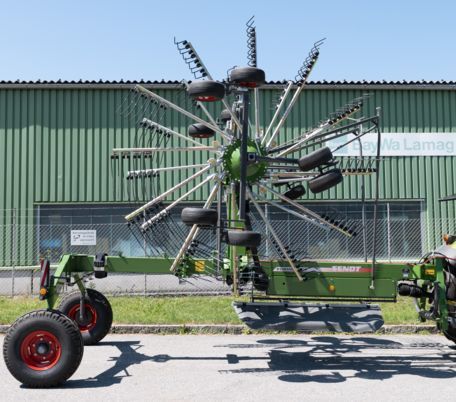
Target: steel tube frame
x=304, y=209
x=154, y=124
x=166, y=169
x=243, y=154
x=340, y=131
x=166, y=193
x=307, y=137
x=151, y=150
x=377, y=192
x=274, y=235
x=180, y=110
x=256, y=95
x=291, y=212
x=194, y=230
x=162, y=213
x=276, y=114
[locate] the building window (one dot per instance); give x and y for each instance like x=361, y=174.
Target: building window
x=399, y=230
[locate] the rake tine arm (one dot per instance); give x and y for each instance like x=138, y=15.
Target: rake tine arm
x=274, y=235
x=193, y=231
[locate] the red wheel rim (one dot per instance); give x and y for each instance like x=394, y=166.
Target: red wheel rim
x=248, y=84
x=40, y=350
x=206, y=98
x=91, y=317
x=202, y=135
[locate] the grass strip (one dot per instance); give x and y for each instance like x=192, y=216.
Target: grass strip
x=183, y=310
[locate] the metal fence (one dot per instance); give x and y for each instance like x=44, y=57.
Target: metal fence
x=398, y=239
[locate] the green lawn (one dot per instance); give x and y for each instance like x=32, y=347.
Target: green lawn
x=182, y=310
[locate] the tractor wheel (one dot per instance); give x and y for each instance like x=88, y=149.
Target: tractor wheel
x=98, y=311
x=249, y=77
x=315, y=159
x=245, y=238
x=202, y=217
x=206, y=91
x=43, y=349
x=225, y=116
x=325, y=181
x=199, y=130
x=295, y=192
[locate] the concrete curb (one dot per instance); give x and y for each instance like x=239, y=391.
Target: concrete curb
x=234, y=329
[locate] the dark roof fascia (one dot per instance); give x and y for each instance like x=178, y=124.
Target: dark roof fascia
x=317, y=85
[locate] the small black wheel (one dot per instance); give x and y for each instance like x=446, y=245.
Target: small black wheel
x=244, y=238
x=315, y=159
x=225, y=116
x=325, y=181
x=199, y=130
x=43, y=349
x=450, y=333
x=98, y=314
x=206, y=91
x=295, y=192
x=249, y=77
x=202, y=217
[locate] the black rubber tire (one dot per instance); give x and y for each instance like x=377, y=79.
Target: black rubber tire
x=202, y=217
x=206, y=91
x=225, y=116
x=450, y=334
x=295, y=192
x=199, y=130
x=325, y=181
x=71, y=348
x=249, y=77
x=244, y=238
x=102, y=319
x=315, y=159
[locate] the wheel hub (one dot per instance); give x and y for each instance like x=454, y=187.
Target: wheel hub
x=87, y=322
x=40, y=350
x=232, y=161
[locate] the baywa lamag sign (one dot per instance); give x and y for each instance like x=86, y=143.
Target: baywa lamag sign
x=398, y=144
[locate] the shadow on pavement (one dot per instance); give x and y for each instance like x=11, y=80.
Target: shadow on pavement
x=326, y=359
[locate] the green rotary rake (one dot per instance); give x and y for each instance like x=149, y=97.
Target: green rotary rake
x=242, y=166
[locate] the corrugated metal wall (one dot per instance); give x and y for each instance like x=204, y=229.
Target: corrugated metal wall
x=55, y=144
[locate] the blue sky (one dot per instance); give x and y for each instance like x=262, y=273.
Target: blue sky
x=111, y=40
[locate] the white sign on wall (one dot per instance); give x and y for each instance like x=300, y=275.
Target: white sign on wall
x=83, y=237
x=398, y=144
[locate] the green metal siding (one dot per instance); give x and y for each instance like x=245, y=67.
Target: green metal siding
x=55, y=143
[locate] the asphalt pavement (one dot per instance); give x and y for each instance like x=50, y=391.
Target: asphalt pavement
x=255, y=367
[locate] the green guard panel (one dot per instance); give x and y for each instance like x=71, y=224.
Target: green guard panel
x=343, y=287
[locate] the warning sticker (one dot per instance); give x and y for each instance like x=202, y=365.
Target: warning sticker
x=199, y=266
x=334, y=268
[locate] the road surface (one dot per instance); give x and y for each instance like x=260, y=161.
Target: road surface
x=252, y=368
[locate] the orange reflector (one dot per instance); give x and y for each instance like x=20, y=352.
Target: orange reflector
x=43, y=291
x=445, y=238
x=331, y=287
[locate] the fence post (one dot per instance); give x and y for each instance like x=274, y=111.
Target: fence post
x=38, y=247
x=145, y=254
x=388, y=231
x=13, y=250
x=363, y=224
x=110, y=236
x=267, y=230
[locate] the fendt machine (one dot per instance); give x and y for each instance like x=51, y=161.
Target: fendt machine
x=242, y=165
